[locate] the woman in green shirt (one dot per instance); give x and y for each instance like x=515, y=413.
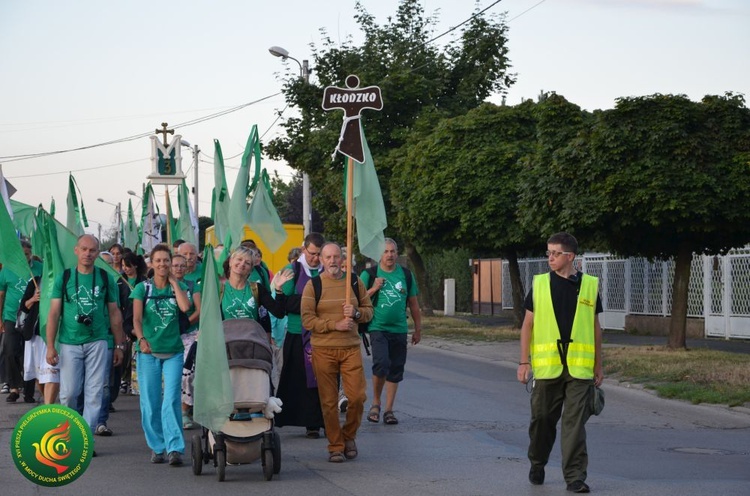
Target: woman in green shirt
x=241, y=298
x=156, y=306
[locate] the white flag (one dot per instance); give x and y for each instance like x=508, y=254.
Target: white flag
x=150, y=222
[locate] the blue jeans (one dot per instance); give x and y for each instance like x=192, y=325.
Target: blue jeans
x=83, y=367
x=107, y=396
x=161, y=410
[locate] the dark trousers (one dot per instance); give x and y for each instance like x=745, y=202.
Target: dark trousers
x=565, y=397
x=13, y=355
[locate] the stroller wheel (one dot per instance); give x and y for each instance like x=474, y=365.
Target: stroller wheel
x=276, y=452
x=197, y=455
x=268, y=464
x=221, y=465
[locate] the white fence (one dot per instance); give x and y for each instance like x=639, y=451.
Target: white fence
x=719, y=290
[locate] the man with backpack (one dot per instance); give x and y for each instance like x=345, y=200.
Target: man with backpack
x=392, y=289
x=86, y=298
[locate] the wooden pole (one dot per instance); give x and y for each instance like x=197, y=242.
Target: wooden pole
x=349, y=226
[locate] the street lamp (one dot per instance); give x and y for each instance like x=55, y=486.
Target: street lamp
x=304, y=72
x=118, y=217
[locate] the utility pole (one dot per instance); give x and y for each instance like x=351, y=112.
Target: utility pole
x=196, y=151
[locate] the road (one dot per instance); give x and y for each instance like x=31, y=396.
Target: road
x=463, y=431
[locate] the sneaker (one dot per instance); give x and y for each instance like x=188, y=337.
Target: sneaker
x=536, y=475
x=175, y=458
x=313, y=433
x=29, y=399
x=157, y=457
x=12, y=397
x=578, y=487
x=343, y=404
x=5, y=389
x=103, y=430
x=124, y=387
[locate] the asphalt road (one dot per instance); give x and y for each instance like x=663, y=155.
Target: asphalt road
x=463, y=431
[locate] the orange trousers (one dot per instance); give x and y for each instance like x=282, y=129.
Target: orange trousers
x=328, y=363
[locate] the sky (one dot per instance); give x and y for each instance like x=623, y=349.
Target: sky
x=77, y=74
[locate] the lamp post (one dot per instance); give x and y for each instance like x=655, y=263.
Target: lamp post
x=118, y=218
x=304, y=73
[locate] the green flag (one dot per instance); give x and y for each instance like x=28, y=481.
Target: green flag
x=263, y=217
x=11, y=254
x=369, y=210
x=53, y=265
x=238, y=203
x=187, y=225
x=220, y=198
x=213, y=395
x=76, y=219
x=130, y=236
x=23, y=217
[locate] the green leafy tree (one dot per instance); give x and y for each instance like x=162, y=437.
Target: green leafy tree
x=420, y=84
x=658, y=176
x=458, y=186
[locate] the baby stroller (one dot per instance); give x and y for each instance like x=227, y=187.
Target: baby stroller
x=246, y=435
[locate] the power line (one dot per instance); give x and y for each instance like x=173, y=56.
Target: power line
x=15, y=158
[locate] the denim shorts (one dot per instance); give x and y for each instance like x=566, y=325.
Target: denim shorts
x=388, y=355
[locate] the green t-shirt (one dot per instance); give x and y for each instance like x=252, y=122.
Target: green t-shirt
x=294, y=322
x=239, y=303
x=161, y=326
x=389, y=314
x=14, y=288
x=190, y=292
x=84, y=295
x=195, y=275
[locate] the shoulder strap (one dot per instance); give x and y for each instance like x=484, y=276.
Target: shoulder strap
x=65, y=279
x=105, y=283
x=317, y=288
x=373, y=273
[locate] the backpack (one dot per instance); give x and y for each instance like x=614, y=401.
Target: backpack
x=361, y=327
x=66, y=278
x=182, y=318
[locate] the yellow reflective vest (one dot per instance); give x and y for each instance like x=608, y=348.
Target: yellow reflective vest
x=545, y=357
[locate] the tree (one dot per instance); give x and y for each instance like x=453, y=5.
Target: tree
x=657, y=176
x=458, y=186
x=287, y=198
x=420, y=84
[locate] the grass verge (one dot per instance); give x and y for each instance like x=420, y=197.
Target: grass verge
x=697, y=376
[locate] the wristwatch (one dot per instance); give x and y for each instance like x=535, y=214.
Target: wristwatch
x=357, y=315
x=121, y=347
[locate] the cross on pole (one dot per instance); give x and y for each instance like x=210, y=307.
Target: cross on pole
x=165, y=131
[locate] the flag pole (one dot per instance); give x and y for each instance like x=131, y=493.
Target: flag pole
x=349, y=226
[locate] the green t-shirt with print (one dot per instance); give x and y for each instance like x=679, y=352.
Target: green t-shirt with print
x=239, y=303
x=161, y=326
x=196, y=288
x=294, y=322
x=195, y=275
x=14, y=287
x=389, y=314
x=84, y=295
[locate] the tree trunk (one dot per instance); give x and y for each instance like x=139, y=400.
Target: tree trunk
x=421, y=274
x=678, y=321
x=516, y=286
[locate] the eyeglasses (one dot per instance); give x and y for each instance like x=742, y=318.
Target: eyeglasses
x=312, y=253
x=557, y=253
x=183, y=267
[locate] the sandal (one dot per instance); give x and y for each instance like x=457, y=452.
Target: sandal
x=389, y=418
x=336, y=457
x=373, y=415
x=350, y=449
